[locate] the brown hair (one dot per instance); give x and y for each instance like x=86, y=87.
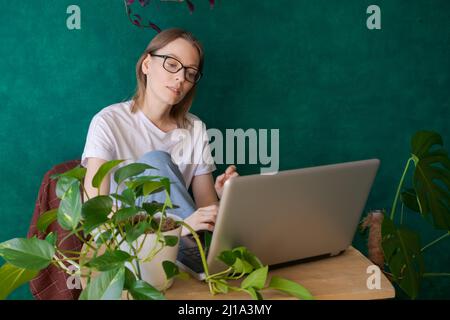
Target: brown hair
x=178, y=111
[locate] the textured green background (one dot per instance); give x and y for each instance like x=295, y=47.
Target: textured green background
x=336, y=90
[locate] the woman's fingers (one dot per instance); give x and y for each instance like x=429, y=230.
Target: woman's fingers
x=210, y=207
x=203, y=218
x=230, y=170
x=206, y=226
x=232, y=175
x=220, y=179
x=208, y=217
x=209, y=213
x=209, y=220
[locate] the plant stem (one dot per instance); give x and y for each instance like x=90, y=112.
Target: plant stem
x=121, y=241
x=219, y=273
x=232, y=277
x=119, y=228
x=86, y=242
x=69, y=235
x=60, y=264
x=70, y=252
x=236, y=288
x=134, y=268
x=435, y=241
x=401, y=215
x=137, y=262
x=155, y=248
x=84, y=191
x=394, y=205
x=153, y=253
x=142, y=243
x=200, y=247
x=100, y=234
x=139, y=270
x=95, y=256
x=70, y=260
x=211, y=289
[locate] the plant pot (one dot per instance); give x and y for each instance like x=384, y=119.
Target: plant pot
x=152, y=271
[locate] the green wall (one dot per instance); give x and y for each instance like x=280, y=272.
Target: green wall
x=336, y=90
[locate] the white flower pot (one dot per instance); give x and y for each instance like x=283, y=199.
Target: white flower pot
x=152, y=271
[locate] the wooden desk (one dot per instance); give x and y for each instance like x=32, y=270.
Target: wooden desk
x=341, y=277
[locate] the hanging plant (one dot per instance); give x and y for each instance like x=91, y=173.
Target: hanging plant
x=140, y=22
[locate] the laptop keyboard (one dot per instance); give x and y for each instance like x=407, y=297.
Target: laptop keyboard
x=189, y=255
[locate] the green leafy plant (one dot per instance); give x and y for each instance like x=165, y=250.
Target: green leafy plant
x=429, y=196
x=109, y=226
x=103, y=227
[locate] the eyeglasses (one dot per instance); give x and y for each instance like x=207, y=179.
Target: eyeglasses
x=173, y=66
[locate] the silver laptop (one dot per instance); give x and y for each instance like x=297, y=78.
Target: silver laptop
x=288, y=216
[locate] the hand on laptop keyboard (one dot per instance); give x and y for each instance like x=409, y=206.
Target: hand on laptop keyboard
x=202, y=219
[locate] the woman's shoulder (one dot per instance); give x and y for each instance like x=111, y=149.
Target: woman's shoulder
x=114, y=112
x=191, y=116
x=193, y=119
x=123, y=107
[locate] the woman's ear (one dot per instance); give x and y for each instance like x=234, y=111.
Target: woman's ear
x=146, y=64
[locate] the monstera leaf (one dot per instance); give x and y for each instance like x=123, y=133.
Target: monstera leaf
x=432, y=178
x=402, y=252
x=409, y=199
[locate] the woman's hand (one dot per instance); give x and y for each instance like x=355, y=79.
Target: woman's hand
x=220, y=180
x=202, y=219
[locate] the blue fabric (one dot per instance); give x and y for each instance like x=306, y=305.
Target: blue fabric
x=178, y=191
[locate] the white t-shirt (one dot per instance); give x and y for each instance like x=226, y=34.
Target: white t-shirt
x=116, y=133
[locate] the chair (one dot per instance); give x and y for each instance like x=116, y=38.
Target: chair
x=51, y=283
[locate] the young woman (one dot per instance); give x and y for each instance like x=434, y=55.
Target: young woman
x=147, y=129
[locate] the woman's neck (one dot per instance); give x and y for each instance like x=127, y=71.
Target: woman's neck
x=158, y=113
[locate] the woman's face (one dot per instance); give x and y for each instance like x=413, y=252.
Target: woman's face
x=170, y=88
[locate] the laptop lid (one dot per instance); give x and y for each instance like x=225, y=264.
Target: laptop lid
x=294, y=214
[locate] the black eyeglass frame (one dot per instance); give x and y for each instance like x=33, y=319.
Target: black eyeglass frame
x=199, y=73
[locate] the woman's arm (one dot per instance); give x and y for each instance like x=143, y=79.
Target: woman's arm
x=203, y=190
x=91, y=169
x=205, y=198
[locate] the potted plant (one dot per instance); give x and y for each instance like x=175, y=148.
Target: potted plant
x=127, y=248
x=393, y=246
x=153, y=253
x=106, y=229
